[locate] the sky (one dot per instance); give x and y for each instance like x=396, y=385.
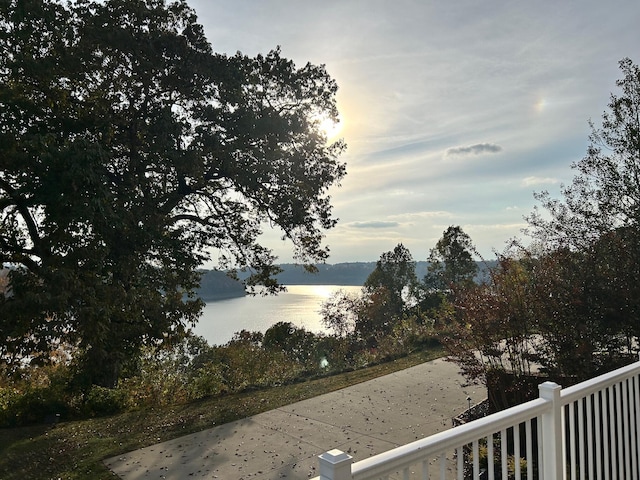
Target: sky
x=454, y=112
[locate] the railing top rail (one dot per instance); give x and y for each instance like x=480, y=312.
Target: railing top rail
x=392, y=460
x=583, y=389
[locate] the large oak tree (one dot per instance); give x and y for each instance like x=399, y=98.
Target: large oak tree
x=129, y=150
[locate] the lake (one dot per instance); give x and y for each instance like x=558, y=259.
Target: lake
x=300, y=305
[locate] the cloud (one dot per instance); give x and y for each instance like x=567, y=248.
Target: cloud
x=477, y=149
x=373, y=224
x=498, y=226
x=421, y=216
x=529, y=181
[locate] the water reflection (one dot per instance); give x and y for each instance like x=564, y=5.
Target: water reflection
x=300, y=305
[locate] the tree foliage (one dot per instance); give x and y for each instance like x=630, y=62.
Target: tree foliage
x=386, y=297
x=451, y=260
x=340, y=312
x=451, y=265
x=555, y=312
x=489, y=325
x=128, y=151
x=395, y=271
x=388, y=288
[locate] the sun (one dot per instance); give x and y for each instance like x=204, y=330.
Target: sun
x=330, y=128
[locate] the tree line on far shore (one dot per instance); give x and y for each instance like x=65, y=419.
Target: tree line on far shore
x=216, y=284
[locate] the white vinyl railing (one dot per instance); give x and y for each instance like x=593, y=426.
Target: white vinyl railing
x=587, y=431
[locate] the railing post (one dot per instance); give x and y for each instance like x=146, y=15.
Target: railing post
x=335, y=465
x=553, y=463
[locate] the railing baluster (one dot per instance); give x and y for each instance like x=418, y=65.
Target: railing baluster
x=634, y=425
x=563, y=444
x=539, y=442
x=619, y=444
x=604, y=445
x=490, y=461
x=443, y=465
x=529, y=445
x=516, y=451
x=581, y=438
x=503, y=454
x=625, y=425
x=590, y=438
x=460, y=465
x=476, y=459
x=425, y=469
x=572, y=440
x=405, y=474
x=612, y=432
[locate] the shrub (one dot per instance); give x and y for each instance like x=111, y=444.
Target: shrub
x=191, y=369
x=35, y=394
x=34, y=405
x=296, y=343
x=247, y=365
x=100, y=401
x=206, y=381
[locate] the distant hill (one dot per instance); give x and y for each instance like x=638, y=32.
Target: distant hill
x=352, y=273
x=338, y=274
x=217, y=285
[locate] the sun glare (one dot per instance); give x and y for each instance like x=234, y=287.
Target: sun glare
x=323, y=291
x=330, y=128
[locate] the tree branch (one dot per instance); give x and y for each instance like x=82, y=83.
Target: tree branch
x=21, y=205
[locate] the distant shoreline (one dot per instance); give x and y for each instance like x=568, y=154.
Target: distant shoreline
x=216, y=285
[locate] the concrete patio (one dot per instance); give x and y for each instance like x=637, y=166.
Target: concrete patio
x=363, y=420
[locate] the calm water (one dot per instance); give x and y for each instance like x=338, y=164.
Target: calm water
x=300, y=305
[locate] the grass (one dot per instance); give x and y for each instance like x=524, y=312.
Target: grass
x=75, y=450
